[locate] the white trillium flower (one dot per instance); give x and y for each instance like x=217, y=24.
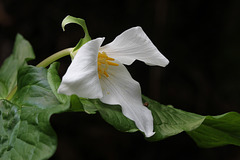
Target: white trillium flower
x=98, y=72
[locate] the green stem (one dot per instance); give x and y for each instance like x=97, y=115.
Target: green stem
x=55, y=57
x=45, y=63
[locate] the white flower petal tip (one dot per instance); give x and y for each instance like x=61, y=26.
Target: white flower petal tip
x=142, y=117
x=133, y=44
x=164, y=62
x=144, y=121
x=149, y=134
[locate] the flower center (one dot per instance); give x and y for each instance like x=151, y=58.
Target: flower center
x=103, y=62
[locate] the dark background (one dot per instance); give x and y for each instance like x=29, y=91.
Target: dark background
x=199, y=37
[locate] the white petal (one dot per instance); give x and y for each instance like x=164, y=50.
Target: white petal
x=134, y=44
x=120, y=88
x=81, y=77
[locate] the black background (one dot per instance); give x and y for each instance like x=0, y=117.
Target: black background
x=199, y=37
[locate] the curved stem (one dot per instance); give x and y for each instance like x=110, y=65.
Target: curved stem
x=54, y=57
x=45, y=63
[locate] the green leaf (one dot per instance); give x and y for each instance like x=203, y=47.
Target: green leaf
x=207, y=131
x=26, y=133
x=218, y=131
x=169, y=121
x=81, y=22
x=110, y=113
x=76, y=105
x=9, y=126
x=89, y=106
x=22, y=52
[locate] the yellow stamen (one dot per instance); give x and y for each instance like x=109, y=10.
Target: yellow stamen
x=111, y=59
x=112, y=64
x=103, y=62
x=105, y=73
